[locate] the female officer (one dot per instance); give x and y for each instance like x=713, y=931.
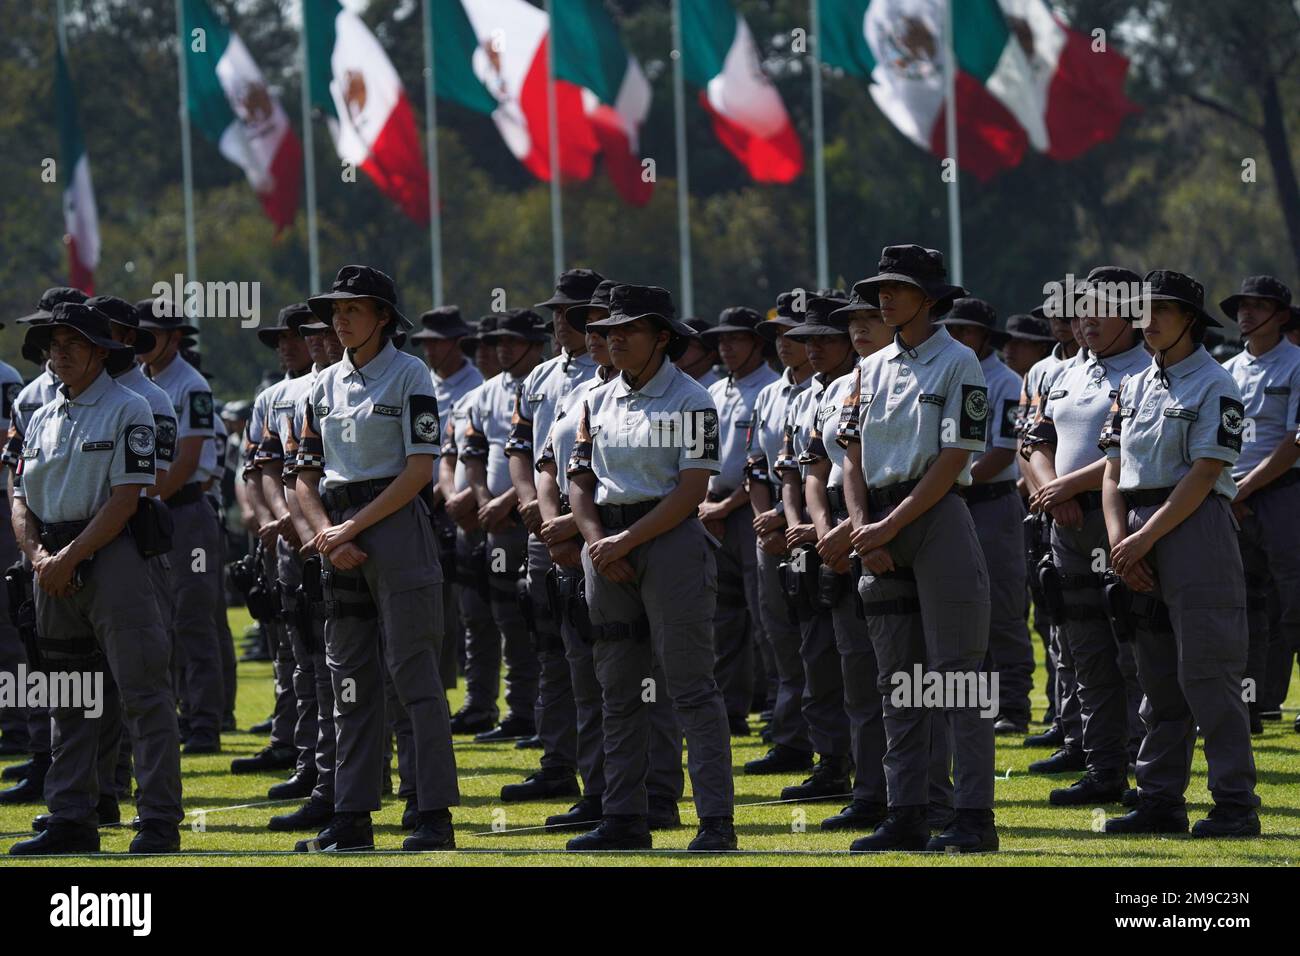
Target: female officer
x=371, y=436
x=923, y=409
x=1174, y=434
x=641, y=465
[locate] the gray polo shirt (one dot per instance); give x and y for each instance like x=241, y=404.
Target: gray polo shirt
x=363, y=423
x=491, y=415
x=1079, y=399
x=1157, y=433
x=1004, y=403
x=32, y=396
x=191, y=399
x=563, y=435
x=637, y=442
x=539, y=396
x=282, y=404
x=1270, y=392
x=164, y=417
x=766, y=437
x=735, y=400
x=453, y=388
x=914, y=403
x=77, y=450
x=454, y=430
x=800, y=418
x=821, y=439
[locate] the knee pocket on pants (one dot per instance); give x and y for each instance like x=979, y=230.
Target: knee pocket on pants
x=410, y=604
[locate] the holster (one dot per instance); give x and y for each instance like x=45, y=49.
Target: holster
x=553, y=599
x=152, y=526
x=1049, y=582
x=475, y=574
x=830, y=587
x=525, y=601
x=304, y=620
x=573, y=594
x=1119, y=607
x=855, y=575
x=445, y=532
x=19, y=581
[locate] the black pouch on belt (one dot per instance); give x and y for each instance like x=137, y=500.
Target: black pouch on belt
x=575, y=607
x=304, y=619
x=855, y=575
x=25, y=621
x=830, y=587
x=446, y=534
x=1049, y=582
x=809, y=568
x=152, y=527
x=16, y=577
x=1119, y=607
x=476, y=571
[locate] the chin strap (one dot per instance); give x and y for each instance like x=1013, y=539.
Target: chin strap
x=1161, y=374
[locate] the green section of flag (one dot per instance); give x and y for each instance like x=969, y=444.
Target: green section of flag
x=318, y=22
x=454, y=44
x=204, y=39
x=980, y=35
x=588, y=51
x=65, y=101
x=708, y=30
x=842, y=42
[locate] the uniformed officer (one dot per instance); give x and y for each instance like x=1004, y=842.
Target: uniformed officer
x=726, y=513
x=664, y=778
x=639, y=471
x=700, y=360
x=537, y=402
x=1267, y=505
x=998, y=512
x=1029, y=341
x=30, y=776
x=518, y=340
x=440, y=335
x=922, y=410
x=195, y=569
x=792, y=748
x=371, y=433
x=484, y=359
x=1173, y=437
x=85, y=459
x=1068, y=467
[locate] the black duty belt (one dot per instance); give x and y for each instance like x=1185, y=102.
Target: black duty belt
x=978, y=494
x=187, y=495
x=835, y=498
x=1285, y=480
x=57, y=535
x=1089, y=501
x=355, y=494
x=1142, y=497
x=622, y=516
x=886, y=496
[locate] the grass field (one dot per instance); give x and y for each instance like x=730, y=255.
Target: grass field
x=229, y=832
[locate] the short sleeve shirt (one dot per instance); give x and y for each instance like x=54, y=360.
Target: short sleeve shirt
x=77, y=450
x=280, y=408
x=1079, y=399
x=735, y=400
x=1004, y=387
x=539, y=397
x=558, y=446
x=164, y=416
x=821, y=440
x=638, y=441
x=369, y=420
x=771, y=411
x=191, y=399
x=491, y=417
x=914, y=403
x=1157, y=432
x=1270, y=393
x=453, y=388
x=39, y=391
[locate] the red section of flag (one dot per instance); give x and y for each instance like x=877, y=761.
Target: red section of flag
x=281, y=203
x=622, y=165
x=989, y=139
x=80, y=275
x=578, y=144
x=778, y=159
x=396, y=164
x=1086, y=104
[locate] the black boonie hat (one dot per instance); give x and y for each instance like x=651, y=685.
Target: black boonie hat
x=94, y=326
x=162, y=313
x=699, y=327
x=290, y=319
x=240, y=410
x=784, y=317
x=627, y=303
x=923, y=268
x=579, y=315
x=359, y=282
x=1111, y=285
x=736, y=318
x=1029, y=328
x=856, y=305
x=124, y=313
x=573, y=287
x=1165, y=285
x=443, y=322
x=517, y=323
x=49, y=299
x=969, y=310
x=1259, y=287
x=823, y=316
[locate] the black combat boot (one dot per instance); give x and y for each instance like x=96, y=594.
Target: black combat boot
x=858, y=815
x=432, y=832
x=311, y=816
x=59, y=837
x=616, y=832
x=781, y=759
x=585, y=811
x=830, y=778
x=716, y=835
x=971, y=831
x=1093, y=788
x=905, y=828
x=545, y=784
x=1150, y=816
x=1228, y=821
x=346, y=831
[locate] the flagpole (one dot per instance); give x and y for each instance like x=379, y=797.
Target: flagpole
x=553, y=134
x=63, y=37
x=187, y=161
x=309, y=156
x=431, y=134
x=819, y=146
x=683, y=178
x=950, y=136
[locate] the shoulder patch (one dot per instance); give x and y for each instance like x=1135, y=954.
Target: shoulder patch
x=1232, y=419
x=201, y=410
x=139, y=452
x=423, y=419
x=974, y=413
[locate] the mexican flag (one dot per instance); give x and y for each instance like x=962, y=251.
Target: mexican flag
x=1023, y=78
x=353, y=83
x=749, y=118
x=79, y=216
x=230, y=104
x=615, y=92
x=491, y=56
